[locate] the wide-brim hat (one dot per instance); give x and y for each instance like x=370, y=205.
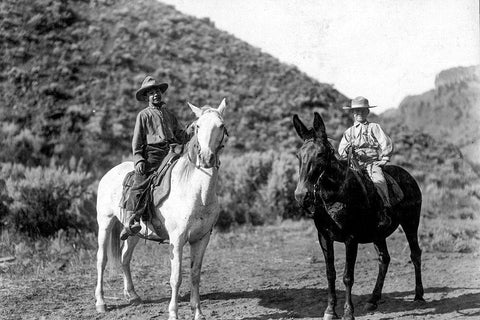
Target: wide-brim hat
x=147, y=84
x=358, y=103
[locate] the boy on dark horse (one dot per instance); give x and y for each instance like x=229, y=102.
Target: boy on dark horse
x=155, y=129
x=371, y=149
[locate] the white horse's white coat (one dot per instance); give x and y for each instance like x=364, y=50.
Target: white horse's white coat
x=189, y=213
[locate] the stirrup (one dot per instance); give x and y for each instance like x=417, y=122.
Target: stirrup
x=125, y=234
x=130, y=231
x=133, y=228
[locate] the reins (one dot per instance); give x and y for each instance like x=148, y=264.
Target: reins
x=351, y=163
x=316, y=191
x=316, y=186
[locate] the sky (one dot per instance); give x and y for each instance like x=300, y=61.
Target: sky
x=381, y=49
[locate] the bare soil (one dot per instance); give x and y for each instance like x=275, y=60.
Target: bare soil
x=274, y=272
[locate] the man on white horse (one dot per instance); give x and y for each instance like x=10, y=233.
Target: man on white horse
x=155, y=129
x=371, y=148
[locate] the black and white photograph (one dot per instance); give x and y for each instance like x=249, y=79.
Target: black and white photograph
x=239, y=159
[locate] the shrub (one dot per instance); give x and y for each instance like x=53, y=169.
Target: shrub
x=47, y=199
x=450, y=238
x=277, y=198
x=257, y=188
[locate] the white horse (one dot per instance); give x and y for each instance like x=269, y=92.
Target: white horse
x=188, y=214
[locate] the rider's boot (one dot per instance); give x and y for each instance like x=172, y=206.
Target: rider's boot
x=133, y=228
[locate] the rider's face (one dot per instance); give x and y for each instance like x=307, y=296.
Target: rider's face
x=154, y=96
x=360, y=114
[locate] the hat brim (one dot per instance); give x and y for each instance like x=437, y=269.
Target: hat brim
x=141, y=94
x=353, y=108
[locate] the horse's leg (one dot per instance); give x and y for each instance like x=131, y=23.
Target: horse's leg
x=128, y=289
x=348, y=277
x=416, y=256
x=329, y=255
x=197, y=251
x=383, y=262
x=104, y=229
x=176, y=252
x=410, y=222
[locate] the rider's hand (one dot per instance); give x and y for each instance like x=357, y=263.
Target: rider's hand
x=381, y=163
x=140, y=167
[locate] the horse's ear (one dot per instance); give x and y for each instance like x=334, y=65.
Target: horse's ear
x=299, y=127
x=221, y=107
x=197, y=111
x=318, y=125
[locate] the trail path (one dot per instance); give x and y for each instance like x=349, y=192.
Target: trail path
x=262, y=273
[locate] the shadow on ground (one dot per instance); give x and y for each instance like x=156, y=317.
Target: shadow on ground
x=310, y=303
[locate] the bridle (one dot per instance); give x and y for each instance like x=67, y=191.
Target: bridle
x=220, y=146
x=318, y=199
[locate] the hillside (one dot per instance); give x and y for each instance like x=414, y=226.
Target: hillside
x=449, y=112
x=70, y=70
x=68, y=75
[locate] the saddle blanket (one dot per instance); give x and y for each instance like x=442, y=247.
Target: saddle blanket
x=395, y=193
x=158, y=181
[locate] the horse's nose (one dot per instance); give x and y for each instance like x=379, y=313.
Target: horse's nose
x=208, y=159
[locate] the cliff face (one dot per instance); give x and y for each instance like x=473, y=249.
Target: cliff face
x=449, y=112
x=457, y=76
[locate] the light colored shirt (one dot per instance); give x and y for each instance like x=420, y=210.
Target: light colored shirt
x=370, y=143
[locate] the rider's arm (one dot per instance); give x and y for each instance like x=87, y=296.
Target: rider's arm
x=386, y=144
x=138, y=141
x=344, y=145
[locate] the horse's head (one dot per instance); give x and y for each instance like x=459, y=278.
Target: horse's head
x=315, y=156
x=210, y=134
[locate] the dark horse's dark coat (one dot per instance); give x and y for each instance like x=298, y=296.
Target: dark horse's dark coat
x=344, y=205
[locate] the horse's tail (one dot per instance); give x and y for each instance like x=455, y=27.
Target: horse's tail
x=115, y=245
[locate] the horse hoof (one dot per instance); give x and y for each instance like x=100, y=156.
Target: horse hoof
x=135, y=302
x=370, y=306
x=329, y=316
x=101, y=308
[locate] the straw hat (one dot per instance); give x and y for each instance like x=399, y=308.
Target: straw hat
x=359, y=103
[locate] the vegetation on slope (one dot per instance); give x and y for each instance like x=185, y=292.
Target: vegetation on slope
x=67, y=82
x=71, y=68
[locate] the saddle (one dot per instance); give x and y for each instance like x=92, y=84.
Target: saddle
x=395, y=193
x=158, y=181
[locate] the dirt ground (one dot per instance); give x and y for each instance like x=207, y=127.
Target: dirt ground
x=261, y=273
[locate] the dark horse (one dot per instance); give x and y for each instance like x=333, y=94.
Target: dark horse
x=344, y=203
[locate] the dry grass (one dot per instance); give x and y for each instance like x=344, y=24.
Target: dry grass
x=49, y=257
